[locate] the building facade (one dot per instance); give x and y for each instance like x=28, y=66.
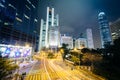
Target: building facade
x=90, y=42
x=54, y=40
x=22, y=17
x=105, y=32
x=115, y=29
x=42, y=35
x=67, y=40
x=51, y=21
x=49, y=30
x=81, y=43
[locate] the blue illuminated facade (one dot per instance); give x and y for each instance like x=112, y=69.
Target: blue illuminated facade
x=21, y=18
x=105, y=32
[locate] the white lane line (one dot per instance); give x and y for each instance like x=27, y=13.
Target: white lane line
x=51, y=66
x=46, y=70
x=55, y=67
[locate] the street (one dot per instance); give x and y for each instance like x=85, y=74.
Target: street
x=56, y=69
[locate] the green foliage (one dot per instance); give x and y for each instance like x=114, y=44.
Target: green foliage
x=64, y=46
x=91, y=55
x=111, y=61
x=75, y=60
x=6, y=67
x=85, y=50
x=65, y=49
x=50, y=55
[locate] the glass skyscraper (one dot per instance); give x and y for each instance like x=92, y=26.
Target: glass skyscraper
x=105, y=32
x=18, y=22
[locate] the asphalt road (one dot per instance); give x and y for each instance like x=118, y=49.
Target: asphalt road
x=56, y=69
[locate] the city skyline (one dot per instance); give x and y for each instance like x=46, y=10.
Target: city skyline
x=59, y=40
x=78, y=15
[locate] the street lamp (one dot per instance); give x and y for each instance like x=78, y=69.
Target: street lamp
x=75, y=49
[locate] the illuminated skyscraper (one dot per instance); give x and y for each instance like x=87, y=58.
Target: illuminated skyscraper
x=42, y=34
x=90, y=38
x=49, y=31
x=54, y=37
x=80, y=43
x=67, y=40
x=104, y=30
x=51, y=21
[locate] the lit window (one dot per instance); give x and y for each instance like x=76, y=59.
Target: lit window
x=18, y=19
x=33, y=6
x=2, y=5
x=3, y=1
x=16, y=14
x=28, y=1
x=11, y=6
x=35, y=20
x=6, y=23
x=27, y=7
x=26, y=16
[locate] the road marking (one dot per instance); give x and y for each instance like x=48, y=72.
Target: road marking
x=46, y=70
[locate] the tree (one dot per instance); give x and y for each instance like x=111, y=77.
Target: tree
x=90, y=57
x=65, y=50
x=85, y=50
x=6, y=67
x=50, y=55
x=109, y=68
x=75, y=59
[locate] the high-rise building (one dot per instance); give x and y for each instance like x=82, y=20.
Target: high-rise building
x=104, y=30
x=49, y=31
x=42, y=35
x=22, y=17
x=81, y=43
x=67, y=40
x=54, y=37
x=115, y=29
x=90, y=38
x=51, y=20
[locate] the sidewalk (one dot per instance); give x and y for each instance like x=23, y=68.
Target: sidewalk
x=24, y=67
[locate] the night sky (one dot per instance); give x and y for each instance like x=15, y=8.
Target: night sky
x=77, y=15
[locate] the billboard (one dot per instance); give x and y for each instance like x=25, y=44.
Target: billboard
x=12, y=51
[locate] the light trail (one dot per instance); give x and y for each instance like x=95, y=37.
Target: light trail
x=46, y=70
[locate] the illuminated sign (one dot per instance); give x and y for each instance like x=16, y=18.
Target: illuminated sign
x=11, y=51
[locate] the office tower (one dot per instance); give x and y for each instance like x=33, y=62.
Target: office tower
x=42, y=35
x=51, y=20
x=115, y=29
x=90, y=38
x=49, y=30
x=80, y=43
x=21, y=19
x=67, y=40
x=104, y=30
x=54, y=35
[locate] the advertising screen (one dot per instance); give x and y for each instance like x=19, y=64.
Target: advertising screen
x=11, y=51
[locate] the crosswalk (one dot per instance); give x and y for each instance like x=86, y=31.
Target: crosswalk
x=44, y=76
x=38, y=76
x=32, y=77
